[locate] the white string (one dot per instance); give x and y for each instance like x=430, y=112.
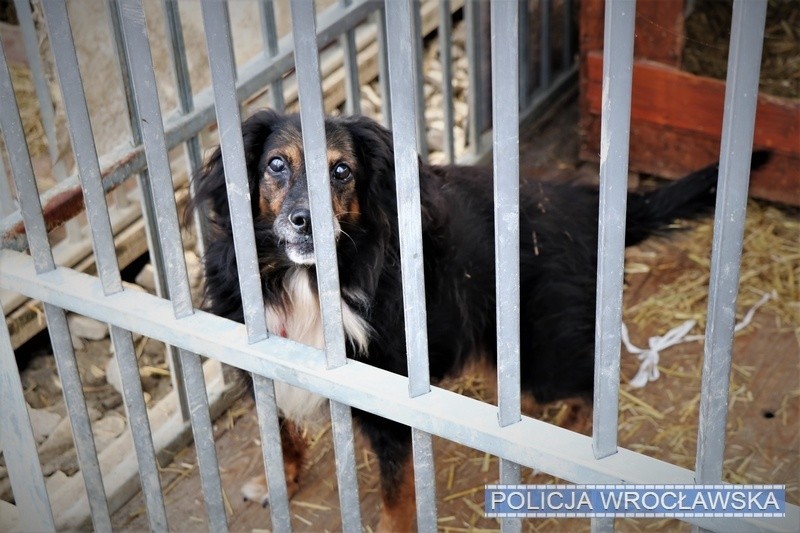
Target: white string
x=649, y=357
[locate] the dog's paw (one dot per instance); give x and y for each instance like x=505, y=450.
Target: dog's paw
x=255, y=490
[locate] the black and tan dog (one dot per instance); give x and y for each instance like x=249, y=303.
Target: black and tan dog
x=558, y=243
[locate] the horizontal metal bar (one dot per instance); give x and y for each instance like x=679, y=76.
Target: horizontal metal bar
x=531, y=443
x=64, y=200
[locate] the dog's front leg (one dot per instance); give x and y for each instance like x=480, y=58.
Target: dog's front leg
x=293, y=446
x=392, y=444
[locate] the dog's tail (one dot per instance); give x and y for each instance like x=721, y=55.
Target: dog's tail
x=689, y=197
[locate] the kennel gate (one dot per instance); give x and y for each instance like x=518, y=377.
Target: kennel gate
x=501, y=431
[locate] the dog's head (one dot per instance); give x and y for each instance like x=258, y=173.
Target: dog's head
x=360, y=173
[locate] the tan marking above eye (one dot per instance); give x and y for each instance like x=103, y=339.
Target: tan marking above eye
x=338, y=156
x=289, y=153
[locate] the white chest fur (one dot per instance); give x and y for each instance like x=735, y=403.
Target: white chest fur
x=301, y=321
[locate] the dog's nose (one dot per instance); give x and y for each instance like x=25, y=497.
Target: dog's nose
x=301, y=220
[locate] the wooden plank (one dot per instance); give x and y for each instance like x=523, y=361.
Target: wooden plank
x=672, y=153
x=659, y=30
x=676, y=122
x=670, y=97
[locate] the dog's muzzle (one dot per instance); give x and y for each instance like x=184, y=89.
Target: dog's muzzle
x=294, y=233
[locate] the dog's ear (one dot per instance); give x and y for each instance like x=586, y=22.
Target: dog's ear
x=374, y=148
x=210, y=195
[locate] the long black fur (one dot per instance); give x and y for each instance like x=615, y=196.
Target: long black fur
x=558, y=244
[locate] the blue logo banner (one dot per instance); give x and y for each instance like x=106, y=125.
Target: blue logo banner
x=635, y=500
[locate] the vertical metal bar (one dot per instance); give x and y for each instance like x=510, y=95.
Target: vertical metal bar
x=46, y=110
x=422, y=138
x=16, y=439
x=192, y=150
x=379, y=19
x=304, y=33
x=6, y=198
x=424, y=479
x=23, y=9
x=505, y=113
x=145, y=110
x=120, y=194
x=403, y=81
x=524, y=53
x=602, y=525
x=566, y=58
x=140, y=426
x=545, y=48
x=400, y=18
x=345, y=458
x=267, y=411
x=144, y=187
x=319, y=189
x=57, y=326
x=475, y=92
x=55, y=14
x=505, y=110
x=614, y=136
x=223, y=76
x=510, y=474
x=270, y=35
x=446, y=57
x=741, y=92
x=145, y=101
x=81, y=135
x=351, y=82
x=16, y=435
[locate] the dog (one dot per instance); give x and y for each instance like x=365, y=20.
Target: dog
x=558, y=266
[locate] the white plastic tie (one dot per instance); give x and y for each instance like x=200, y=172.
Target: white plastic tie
x=649, y=357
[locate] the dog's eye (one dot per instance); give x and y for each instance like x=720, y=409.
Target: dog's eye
x=341, y=172
x=276, y=164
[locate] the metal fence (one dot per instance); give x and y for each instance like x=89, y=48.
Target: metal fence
x=501, y=431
